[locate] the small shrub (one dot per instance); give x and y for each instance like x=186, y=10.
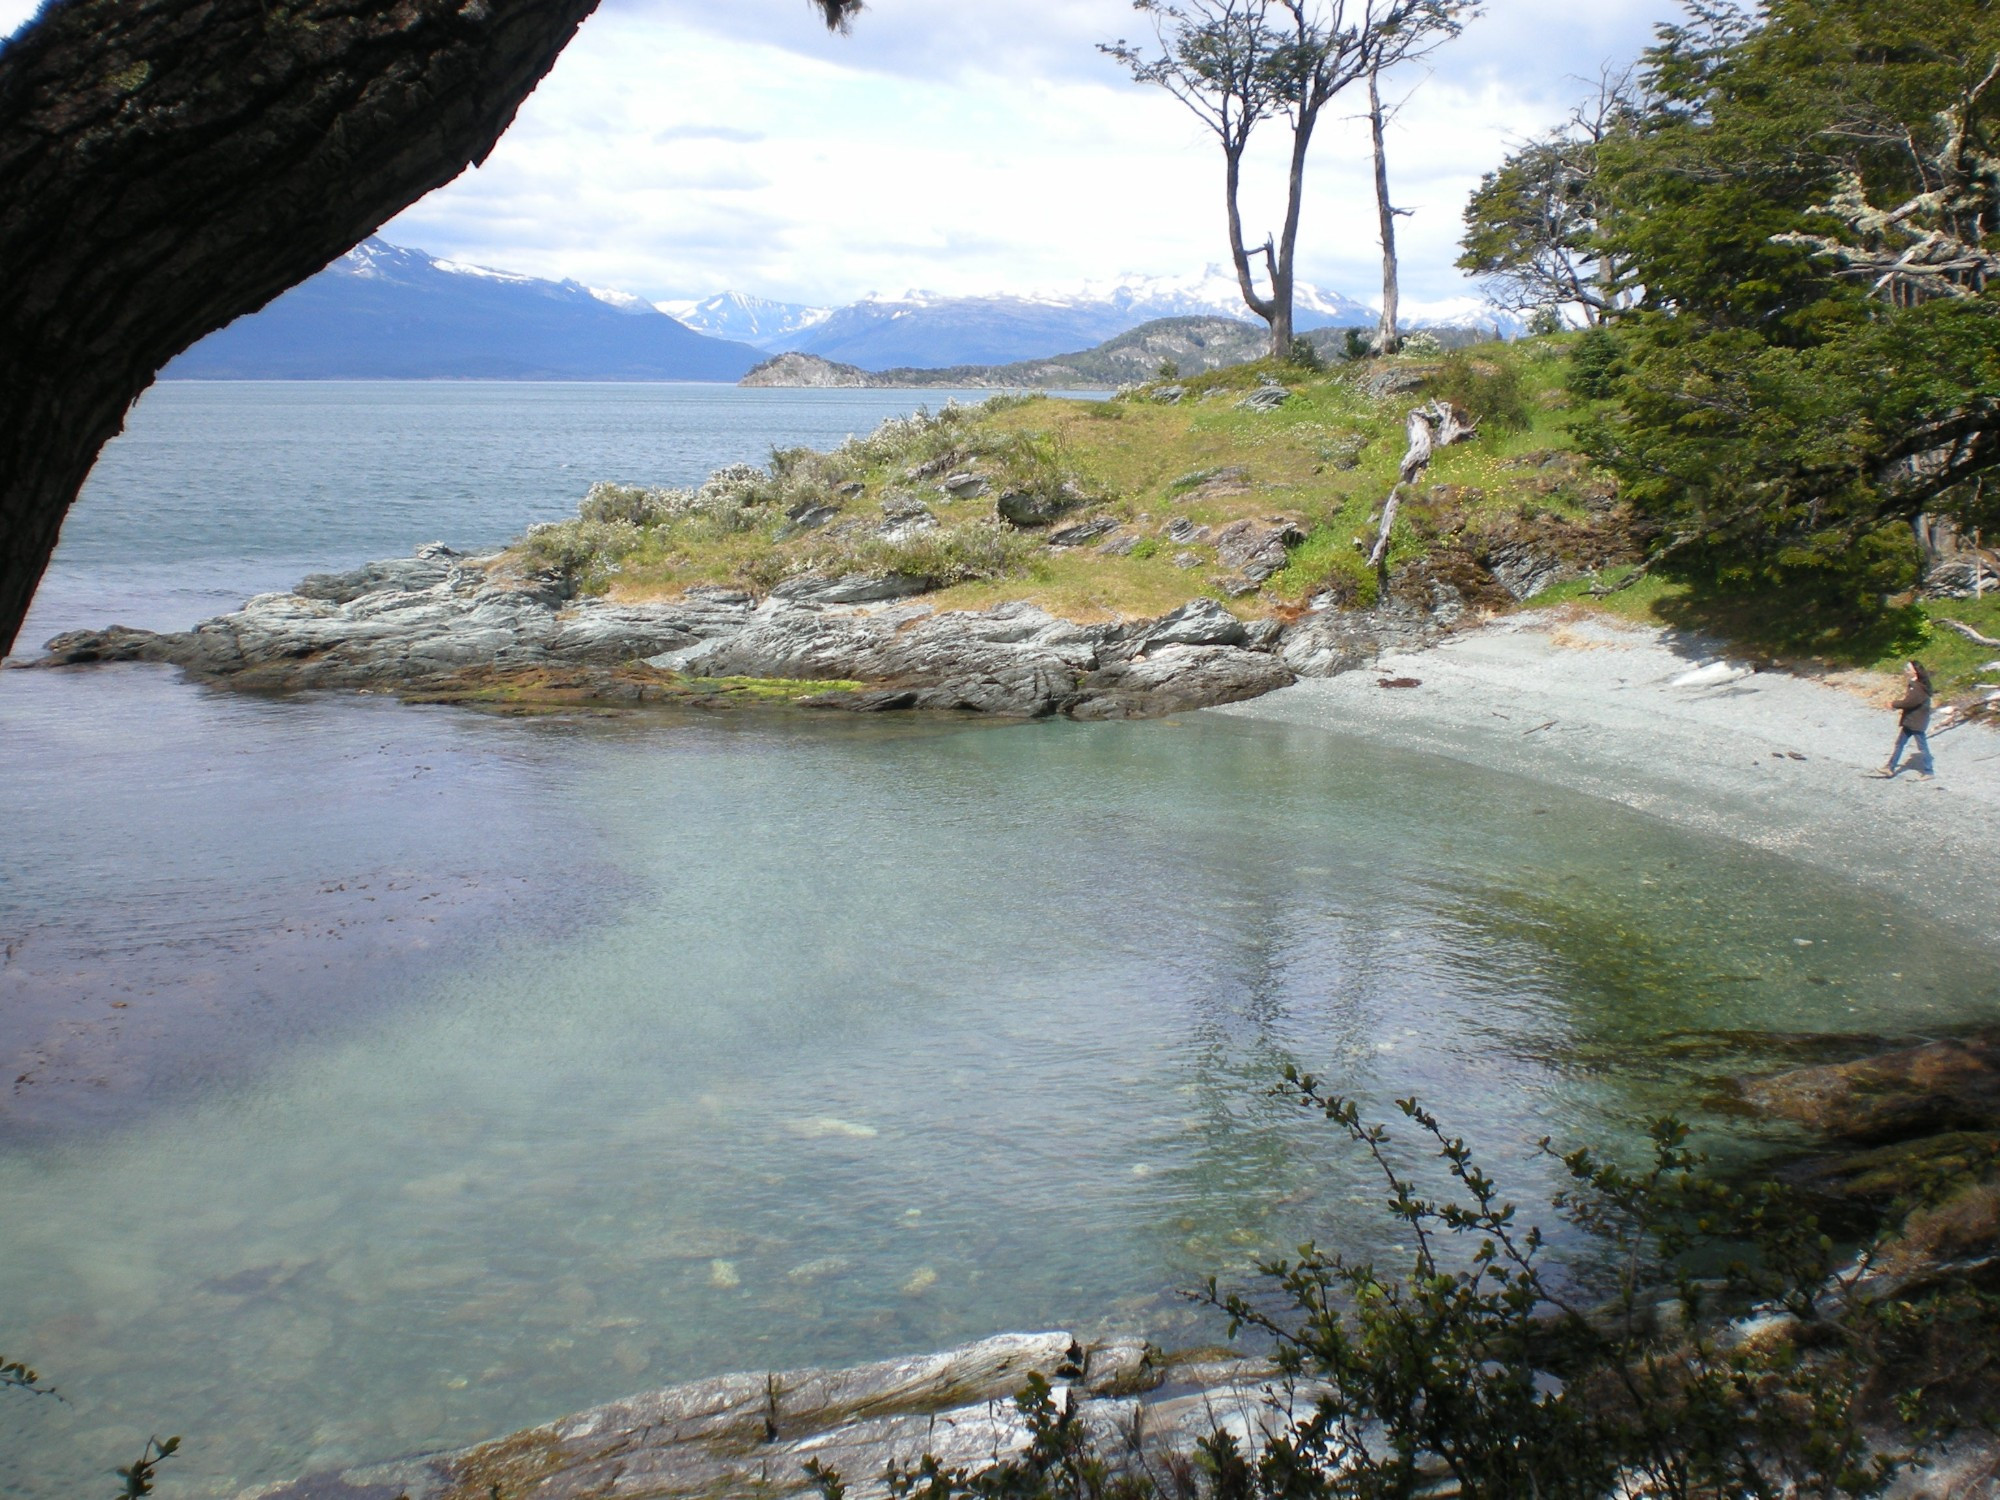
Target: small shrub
x=608, y=502
x=1355, y=345
x=582, y=551
x=1477, y=1372
x=1491, y=392
x=1595, y=365
x=1302, y=354
x=1422, y=342
x=949, y=554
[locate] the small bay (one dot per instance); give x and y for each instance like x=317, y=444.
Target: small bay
x=384, y=1078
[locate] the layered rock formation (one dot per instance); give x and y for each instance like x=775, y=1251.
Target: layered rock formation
x=439, y=622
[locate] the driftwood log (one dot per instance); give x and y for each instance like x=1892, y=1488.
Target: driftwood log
x=1967, y=631
x=1434, y=425
x=170, y=165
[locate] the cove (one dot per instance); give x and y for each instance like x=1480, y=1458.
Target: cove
x=753, y=1040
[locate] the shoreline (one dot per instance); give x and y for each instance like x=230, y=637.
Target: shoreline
x=1768, y=758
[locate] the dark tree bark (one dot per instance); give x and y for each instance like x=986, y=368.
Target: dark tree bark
x=169, y=165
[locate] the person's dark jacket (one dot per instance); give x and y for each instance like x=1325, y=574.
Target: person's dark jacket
x=1916, y=706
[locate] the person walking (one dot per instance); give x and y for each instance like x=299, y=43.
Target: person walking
x=1915, y=708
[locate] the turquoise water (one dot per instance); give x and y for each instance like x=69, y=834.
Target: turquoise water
x=392, y=1077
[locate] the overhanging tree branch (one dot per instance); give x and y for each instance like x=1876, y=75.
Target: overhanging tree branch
x=170, y=165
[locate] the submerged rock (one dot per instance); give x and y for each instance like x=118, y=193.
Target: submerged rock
x=1949, y=1085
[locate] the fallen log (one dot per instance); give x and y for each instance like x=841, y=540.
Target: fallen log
x=1434, y=425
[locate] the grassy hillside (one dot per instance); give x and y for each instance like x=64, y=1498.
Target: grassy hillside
x=1140, y=490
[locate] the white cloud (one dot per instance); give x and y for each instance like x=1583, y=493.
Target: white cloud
x=684, y=146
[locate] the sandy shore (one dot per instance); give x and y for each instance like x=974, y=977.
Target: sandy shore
x=1767, y=758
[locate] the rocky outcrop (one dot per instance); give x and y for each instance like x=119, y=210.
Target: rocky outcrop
x=442, y=626
x=753, y=1434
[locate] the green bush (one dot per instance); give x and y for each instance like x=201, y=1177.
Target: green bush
x=1478, y=1369
x=1489, y=390
x=1304, y=356
x=1594, y=365
x=949, y=554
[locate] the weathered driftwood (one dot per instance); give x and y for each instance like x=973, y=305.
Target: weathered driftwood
x=1967, y=631
x=1434, y=425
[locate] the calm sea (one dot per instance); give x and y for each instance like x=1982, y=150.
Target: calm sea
x=381, y=1078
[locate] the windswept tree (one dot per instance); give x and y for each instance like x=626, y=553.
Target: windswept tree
x=1237, y=63
x=1811, y=372
x=169, y=165
x=1532, y=227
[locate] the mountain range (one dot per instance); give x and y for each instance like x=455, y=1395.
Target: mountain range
x=381, y=312
x=925, y=330
x=385, y=312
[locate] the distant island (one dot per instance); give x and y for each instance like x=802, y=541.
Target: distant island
x=1186, y=345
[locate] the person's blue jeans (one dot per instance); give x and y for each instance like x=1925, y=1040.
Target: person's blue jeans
x=1923, y=749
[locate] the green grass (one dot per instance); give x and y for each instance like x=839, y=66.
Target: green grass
x=1325, y=459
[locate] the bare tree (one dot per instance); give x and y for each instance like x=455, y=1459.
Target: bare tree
x=1532, y=226
x=1387, y=334
x=1236, y=63
x=172, y=164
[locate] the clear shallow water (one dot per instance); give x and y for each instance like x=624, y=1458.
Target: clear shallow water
x=411, y=1075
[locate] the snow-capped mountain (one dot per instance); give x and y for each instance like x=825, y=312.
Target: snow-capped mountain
x=925, y=329
x=385, y=312
x=748, y=320
x=928, y=330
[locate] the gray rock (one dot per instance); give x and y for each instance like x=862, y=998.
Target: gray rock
x=1524, y=572
x=1395, y=380
x=966, y=486
x=1264, y=398
x=1014, y=659
x=1120, y=545
x=1212, y=484
x=1257, y=549
x=430, y=565
x=1032, y=510
x=1173, y=679
x=1169, y=395
x=1332, y=641
x=1199, y=622
x=1083, y=532
x=850, y=588
x=809, y=514
x=1187, y=559
x=1181, y=529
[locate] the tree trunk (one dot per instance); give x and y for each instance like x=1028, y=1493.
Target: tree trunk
x=170, y=165
x=1232, y=183
x=1288, y=239
x=1387, y=334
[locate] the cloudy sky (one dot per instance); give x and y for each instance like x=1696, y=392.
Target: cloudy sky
x=682, y=147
